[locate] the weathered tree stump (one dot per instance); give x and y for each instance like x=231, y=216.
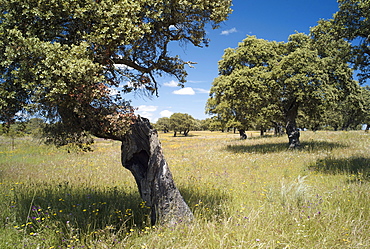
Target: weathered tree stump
x=142, y=155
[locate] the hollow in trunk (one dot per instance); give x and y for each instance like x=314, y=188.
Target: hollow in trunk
x=142, y=155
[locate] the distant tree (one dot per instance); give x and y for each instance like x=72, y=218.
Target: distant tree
x=198, y=125
x=205, y=124
x=314, y=123
x=163, y=124
x=349, y=113
x=182, y=123
x=13, y=130
x=34, y=126
x=235, y=125
x=217, y=124
x=264, y=82
x=65, y=59
x=222, y=114
x=240, y=95
x=353, y=111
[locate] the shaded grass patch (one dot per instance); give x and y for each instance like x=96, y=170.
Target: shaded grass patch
x=84, y=208
x=210, y=205
x=311, y=146
x=353, y=165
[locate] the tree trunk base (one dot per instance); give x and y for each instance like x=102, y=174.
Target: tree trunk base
x=293, y=134
x=294, y=139
x=142, y=155
x=242, y=134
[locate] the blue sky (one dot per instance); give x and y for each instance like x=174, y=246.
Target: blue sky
x=268, y=19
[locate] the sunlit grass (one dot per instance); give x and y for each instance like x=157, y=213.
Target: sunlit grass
x=244, y=194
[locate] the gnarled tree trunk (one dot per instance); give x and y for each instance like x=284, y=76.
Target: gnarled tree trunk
x=291, y=126
x=142, y=155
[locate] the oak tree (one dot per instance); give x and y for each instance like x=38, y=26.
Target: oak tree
x=240, y=95
x=264, y=81
x=181, y=122
x=65, y=59
x=163, y=124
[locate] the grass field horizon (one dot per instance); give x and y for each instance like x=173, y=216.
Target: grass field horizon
x=252, y=193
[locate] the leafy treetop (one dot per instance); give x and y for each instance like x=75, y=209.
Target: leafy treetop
x=182, y=122
x=61, y=58
x=352, y=23
x=262, y=81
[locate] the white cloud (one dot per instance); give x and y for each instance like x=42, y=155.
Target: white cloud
x=172, y=27
x=184, y=91
x=229, y=31
x=147, y=111
x=172, y=83
x=166, y=113
x=147, y=108
x=147, y=115
x=200, y=90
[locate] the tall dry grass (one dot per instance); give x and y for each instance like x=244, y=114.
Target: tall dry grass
x=244, y=194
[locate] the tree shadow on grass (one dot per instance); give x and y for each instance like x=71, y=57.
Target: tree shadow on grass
x=63, y=207
x=83, y=208
x=357, y=167
x=189, y=135
x=209, y=203
x=310, y=146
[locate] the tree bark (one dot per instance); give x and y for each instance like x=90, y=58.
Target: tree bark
x=262, y=132
x=291, y=126
x=242, y=134
x=142, y=155
x=293, y=135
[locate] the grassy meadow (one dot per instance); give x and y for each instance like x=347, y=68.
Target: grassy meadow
x=244, y=194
